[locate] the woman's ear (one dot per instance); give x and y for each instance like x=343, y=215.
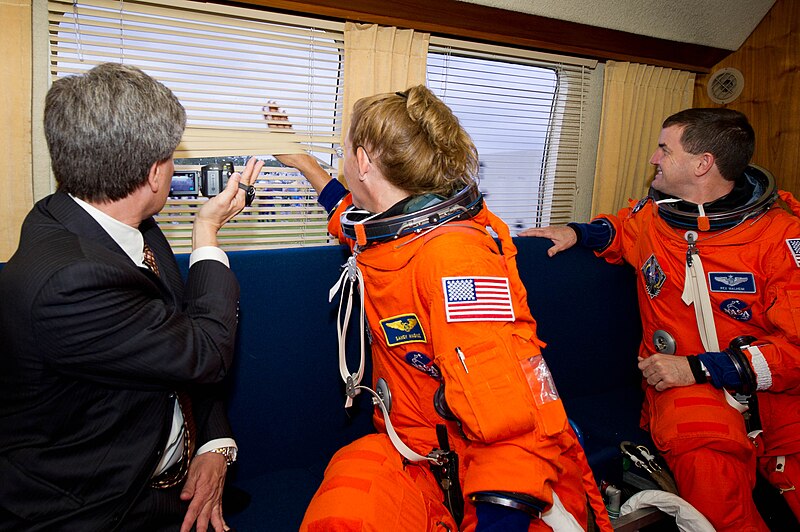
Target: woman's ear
x=364, y=162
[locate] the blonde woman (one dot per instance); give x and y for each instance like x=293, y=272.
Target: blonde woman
x=468, y=413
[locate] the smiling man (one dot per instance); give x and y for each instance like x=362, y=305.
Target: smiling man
x=718, y=265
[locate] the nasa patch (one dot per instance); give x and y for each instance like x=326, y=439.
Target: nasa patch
x=744, y=282
x=422, y=362
x=736, y=309
x=402, y=329
x=654, y=276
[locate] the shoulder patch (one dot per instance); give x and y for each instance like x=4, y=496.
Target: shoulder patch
x=641, y=203
x=794, y=248
x=402, y=329
x=477, y=299
x=654, y=276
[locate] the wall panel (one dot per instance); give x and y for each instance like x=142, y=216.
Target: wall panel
x=770, y=62
x=15, y=113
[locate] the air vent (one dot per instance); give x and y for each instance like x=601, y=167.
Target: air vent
x=725, y=85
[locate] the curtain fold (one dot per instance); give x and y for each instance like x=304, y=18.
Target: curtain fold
x=380, y=59
x=636, y=100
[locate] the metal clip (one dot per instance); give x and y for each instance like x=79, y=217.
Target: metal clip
x=352, y=269
x=350, y=386
x=438, y=456
x=651, y=460
x=637, y=461
x=691, y=238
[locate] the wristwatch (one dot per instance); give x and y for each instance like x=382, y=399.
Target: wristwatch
x=228, y=452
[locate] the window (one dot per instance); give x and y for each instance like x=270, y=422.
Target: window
x=524, y=110
x=224, y=64
x=525, y=117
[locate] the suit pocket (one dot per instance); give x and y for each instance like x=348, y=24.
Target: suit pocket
x=491, y=393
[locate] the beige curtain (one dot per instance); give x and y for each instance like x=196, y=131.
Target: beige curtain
x=636, y=100
x=15, y=111
x=380, y=59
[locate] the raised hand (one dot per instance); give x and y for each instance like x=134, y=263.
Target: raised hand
x=218, y=210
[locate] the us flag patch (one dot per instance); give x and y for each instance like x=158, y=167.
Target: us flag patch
x=794, y=246
x=477, y=299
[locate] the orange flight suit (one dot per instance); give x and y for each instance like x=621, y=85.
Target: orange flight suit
x=514, y=442
x=753, y=274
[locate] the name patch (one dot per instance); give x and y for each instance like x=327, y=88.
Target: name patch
x=743, y=282
x=402, y=329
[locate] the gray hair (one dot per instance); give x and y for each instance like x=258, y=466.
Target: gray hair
x=105, y=129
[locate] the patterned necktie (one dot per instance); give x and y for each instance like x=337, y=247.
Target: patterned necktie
x=175, y=474
x=150, y=259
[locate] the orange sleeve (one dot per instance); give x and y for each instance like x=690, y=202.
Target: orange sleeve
x=626, y=226
x=777, y=367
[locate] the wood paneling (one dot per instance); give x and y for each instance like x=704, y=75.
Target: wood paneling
x=15, y=112
x=770, y=62
x=482, y=23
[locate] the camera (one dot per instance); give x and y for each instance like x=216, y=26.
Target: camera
x=184, y=183
x=214, y=177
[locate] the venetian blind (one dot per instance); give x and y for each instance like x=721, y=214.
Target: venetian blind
x=525, y=113
x=224, y=64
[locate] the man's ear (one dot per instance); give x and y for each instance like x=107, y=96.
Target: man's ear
x=153, y=175
x=364, y=162
x=705, y=162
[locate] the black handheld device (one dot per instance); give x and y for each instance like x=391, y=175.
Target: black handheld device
x=214, y=177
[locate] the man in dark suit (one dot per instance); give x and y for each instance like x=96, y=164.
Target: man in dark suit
x=109, y=387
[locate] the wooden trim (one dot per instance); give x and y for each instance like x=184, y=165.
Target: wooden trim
x=452, y=18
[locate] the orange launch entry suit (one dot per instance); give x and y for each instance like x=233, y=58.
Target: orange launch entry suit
x=512, y=433
x=753, y=274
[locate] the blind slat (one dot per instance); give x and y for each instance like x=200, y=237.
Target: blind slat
x=224, y=64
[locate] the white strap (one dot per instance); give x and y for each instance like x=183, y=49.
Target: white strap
x=401, y=447
x=350, y=274
x=695, y=292
x=350, y=279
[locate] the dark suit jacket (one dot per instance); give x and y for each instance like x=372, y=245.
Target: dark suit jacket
x=91, y=349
